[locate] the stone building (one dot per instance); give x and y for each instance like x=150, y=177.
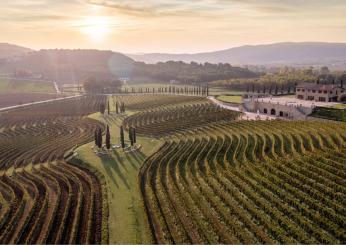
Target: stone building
x=319, y=92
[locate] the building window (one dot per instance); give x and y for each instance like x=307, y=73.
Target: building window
x=320, y=91
x=323, y=99
x=311, y=97
x=300, y=97
x=331, y=92
x=314, y=91
x=298, y=90
x=325, y=91
x=303, y=90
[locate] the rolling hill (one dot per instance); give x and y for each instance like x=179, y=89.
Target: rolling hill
x=68, y=66
x=307, y=53
x=10, y=50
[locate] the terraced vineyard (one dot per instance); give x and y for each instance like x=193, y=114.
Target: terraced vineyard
x=242, y=181
x=44, y=199
x=214, y=179
x=151, y=101
x=159, y=122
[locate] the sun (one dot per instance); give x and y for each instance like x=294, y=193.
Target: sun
x=96, y=27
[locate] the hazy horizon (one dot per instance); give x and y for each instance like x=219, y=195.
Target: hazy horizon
x=173, y=26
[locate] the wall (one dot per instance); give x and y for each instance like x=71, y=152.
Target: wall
x=289, y=111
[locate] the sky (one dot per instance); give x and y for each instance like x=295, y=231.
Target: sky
x=170, y=26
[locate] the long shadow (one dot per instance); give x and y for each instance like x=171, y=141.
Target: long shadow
x=132, y=160
x=139, y=159
x=142, y=155
x=109, y=171
x=120, y=161
x=116, y=168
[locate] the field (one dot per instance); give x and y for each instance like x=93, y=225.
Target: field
x=331, y=113
x=8, y=85
x=23, y=98
x=235, y=99
x=45, y=198
x=199, y=175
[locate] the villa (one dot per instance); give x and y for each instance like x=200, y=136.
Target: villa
x=319, y=92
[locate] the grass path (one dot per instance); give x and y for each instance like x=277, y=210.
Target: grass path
x=127, y=220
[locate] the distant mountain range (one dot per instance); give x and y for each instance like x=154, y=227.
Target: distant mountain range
x=306, y=53
x=68, y=66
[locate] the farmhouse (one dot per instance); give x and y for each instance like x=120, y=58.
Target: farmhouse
x=319, y=92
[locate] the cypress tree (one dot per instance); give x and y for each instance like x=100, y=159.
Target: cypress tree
x=102, y=108
x=117, y=107
x=108, y=138
x=96, y=136
x=99, y=137
x=109, y=108
x=134, y=135
x=131, y=135
x=122, y=140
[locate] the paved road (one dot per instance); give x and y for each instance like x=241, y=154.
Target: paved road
x=36, y=103
x=57, y=88
x=246, y=116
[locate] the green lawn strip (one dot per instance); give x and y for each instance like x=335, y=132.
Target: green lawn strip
x=127, y=218
x=216, y=91
x=339, y=106
x=237, y=99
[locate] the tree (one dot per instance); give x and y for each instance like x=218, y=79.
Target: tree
x=117, y=107
x=131, y=135
x=96, y=137
x=122, y=108
x=109, y=109
x=122, y=140
x=92, y=85
x=102, y=108
x=108, y=138
x=99, y=137
x=134, y=135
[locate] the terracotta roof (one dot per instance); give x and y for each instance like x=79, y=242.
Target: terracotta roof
x=317, y=86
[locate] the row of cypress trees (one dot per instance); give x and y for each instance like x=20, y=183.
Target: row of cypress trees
x=192, y=90
x=98, y=137
x=119, y=107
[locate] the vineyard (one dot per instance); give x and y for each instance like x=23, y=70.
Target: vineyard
x=234, y=183
x=201, y=175
x=216, y=180
x=43, y=198
x=23, y=98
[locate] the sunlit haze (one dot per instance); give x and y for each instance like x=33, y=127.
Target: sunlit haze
x=134, y=26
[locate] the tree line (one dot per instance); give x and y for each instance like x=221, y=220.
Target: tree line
x=171, y=89
x=190, y=73
x=119, y=108
x=288, y=80
x=102, y=86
